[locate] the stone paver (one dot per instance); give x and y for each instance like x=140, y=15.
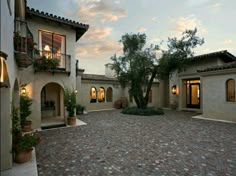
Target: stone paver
x=124, y=145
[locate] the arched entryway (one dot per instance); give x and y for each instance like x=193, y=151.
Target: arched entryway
x=52, y=105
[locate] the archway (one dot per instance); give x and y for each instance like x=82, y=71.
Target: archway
x=52, y=105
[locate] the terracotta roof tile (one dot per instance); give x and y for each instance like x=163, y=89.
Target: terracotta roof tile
x=225, y=66
x=79, y=27
x=97, y=77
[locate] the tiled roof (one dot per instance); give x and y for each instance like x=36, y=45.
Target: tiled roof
x=79, y=27
x=224, y=54
x=97, y=77
x=225, y=66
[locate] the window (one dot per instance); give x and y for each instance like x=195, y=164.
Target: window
x=150, y=96
x=109, y=94
x=230, y=90
x=52, y=45
x=93, y=95
x=101, y=94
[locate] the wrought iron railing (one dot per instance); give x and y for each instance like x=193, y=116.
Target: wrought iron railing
x=23, y=38
x=49, y=61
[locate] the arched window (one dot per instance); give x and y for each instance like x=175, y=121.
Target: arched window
x=150, y=96
x=101, y=94
x=93, y=95
x=230, y=90
x=109, y=94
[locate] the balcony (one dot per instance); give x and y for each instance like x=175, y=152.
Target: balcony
x=23, y=44
x=45, y=61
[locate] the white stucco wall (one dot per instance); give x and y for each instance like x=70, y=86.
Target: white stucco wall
x=214, y=101
x=6, y=94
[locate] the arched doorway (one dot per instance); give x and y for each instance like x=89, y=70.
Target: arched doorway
x=52, y=105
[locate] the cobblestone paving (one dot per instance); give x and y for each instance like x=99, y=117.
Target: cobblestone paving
x=126, y=145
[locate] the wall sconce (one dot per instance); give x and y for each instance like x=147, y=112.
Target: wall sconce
x=174, y=89
x=23, y=91
x=1, y=70
x=76, y=91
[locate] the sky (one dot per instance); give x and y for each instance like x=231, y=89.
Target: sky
x=159, y=19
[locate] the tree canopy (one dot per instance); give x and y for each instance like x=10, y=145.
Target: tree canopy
x=139, y=66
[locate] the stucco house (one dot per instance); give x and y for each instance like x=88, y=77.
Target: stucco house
x=187, y=89
x=206, y=86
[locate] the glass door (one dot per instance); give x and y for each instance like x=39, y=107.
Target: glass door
x=193, y=94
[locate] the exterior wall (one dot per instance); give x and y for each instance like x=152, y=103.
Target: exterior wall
x=84, y=94
x=189, y=73
x=156, y=96
x=6, y=94
x=214, y=97
x=36, y=81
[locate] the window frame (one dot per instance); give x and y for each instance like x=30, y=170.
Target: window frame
x=109, y=92
x=92, y=100
x=104, y=96
x=40, y=31
x=228, y=96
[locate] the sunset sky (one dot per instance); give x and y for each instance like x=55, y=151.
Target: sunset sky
x=158, y=19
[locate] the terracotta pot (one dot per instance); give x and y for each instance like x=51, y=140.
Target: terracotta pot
x=26, y=126
x=23, y=156
x=71, y=121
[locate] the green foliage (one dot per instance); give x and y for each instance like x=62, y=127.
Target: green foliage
x=79, y=109
x=25, y=103
x=144, y=112
x=179, y=53
x=137, y=66
x=70, y=101
x=44, y=63
x=15, y=119
x=25, y=142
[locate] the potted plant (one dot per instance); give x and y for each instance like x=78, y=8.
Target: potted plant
x=25, y=103
x=22, y=143
x=70, y=103
x=79, y=109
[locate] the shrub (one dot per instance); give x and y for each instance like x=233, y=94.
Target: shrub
x=79, y=109
x=144, y=112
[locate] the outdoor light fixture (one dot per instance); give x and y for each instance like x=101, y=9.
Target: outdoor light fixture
x=1, y=70
x=174, y=89
x=23, y=90
x=76, y=91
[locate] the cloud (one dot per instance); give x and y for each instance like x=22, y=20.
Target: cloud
x=216, y=7
x=197, y=2
x=99, y=10
x=189, y=22
x=117, y=2
x=97, y=33
x=228, y=41
x=154, y=19
x=98, y=49
x=142, y=29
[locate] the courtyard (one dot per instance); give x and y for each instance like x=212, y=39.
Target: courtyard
x=126, y=145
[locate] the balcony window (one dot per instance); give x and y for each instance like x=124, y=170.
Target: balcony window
x=52, y=45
